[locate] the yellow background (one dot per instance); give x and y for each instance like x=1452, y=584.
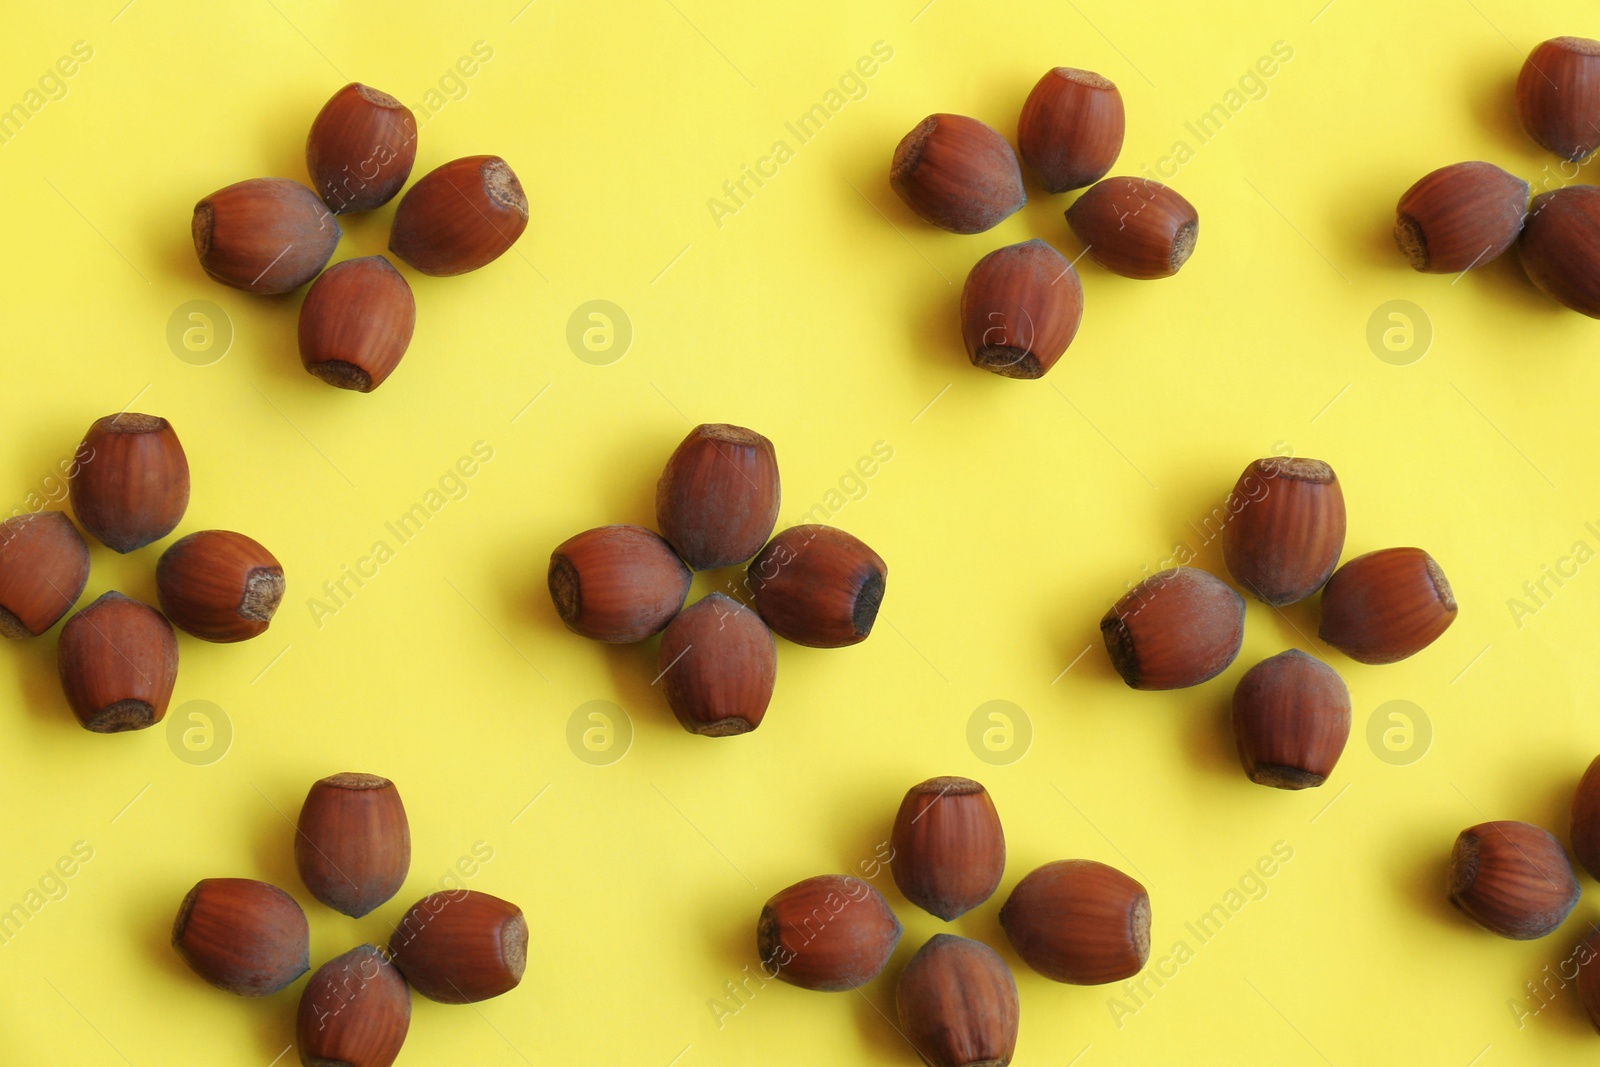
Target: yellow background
x=823, y=314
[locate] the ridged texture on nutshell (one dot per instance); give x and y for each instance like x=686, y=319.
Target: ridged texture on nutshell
x=360, y=149
x=957, y=1004
x=1071, y=128
x=461, y=946
x=1386, y=605
x=219, y=585
x=352, y=844
x=1175, y=629
x=828, y=933
x=241, y=935
x=44, y=565
x=459, y=217
x=1079, y=921
x=1588, y=957
x=718, y=663
x=1291, y=719
x=1512, y=879
x=618, y=584
x=949, y=849
x=265, y=235
x=1586, y=820
x=354, y=1012
x=1020, y=309
x=356, y=323
x=818, y=586
x=1285, y=528
x=1560, y=249
x=1135, y=227
x=958, y=174
x=1558, y=96
x=1459, y=217
x=131, y=485
x=717, y=500
x=118, y=661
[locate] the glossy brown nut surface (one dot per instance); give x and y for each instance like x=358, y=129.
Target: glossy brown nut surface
x=461, y=946
x=265, y=235
x=1512, y=879
x=1020, y=309
x=949, y=848
x=1079, y=921
x=356, y=323
x=219, y=586
x=1291, y=719
x=354, y=1012
x=1175, y=629
x=618, y=584
x=717, y=665
x=460, y=217
x=717, y=500
x=1586, y=820
x=118, y=661
x=44, y=566
x=352, y=844
x=958, y=174
x=1386, y=605
x=1285, y=528
x=818, y=586
x=360, y=149
x=957, y=1004
x=1558, y=96
x=1071, y=128
x=1560, y=247
x=243, y=936
x=829, y=933
x=1135, y=227
x=131, y=483
x=1460, y=217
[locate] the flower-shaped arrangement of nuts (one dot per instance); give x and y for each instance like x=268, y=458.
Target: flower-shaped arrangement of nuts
x=717, y=504
x=1281, y=541
x=272, y=235
x=1073, y=921
x=1022, y=304
x=1464, y=215
x=118, y=658
x=353, y=848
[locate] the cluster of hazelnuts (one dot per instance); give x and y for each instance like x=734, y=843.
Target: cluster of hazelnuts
x=1281, y=540
x=717, y=504
x=1075, y=921
x=1464, y=215
x=352, y=848
x=1022, y=304
x=272, y=235
x=118, y=658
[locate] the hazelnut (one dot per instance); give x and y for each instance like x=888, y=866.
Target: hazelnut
x=1512, y=879
x=1586, y=820
x=360, y=149
x=265, y=235
x=1175, y=629
x=1285, y=528
x=1386, y=605
x=354, y=1012
x=818, y=586
x=118, y=661
x=352, y=844
x=244, y=936
x=717, y=501
x=44, y=566
x=132, y=485
x=1071, y=128
x=1459, y=217
x=219, y=586
x=459, y=217
x=461, y=946
x=1135, y=227
x=356, y=323
x=1588, y=956
x=1558, y=96
x=957, y=1004
x=1020, y=309
x=1561, y=247
x=618, y=584
x=949, y=850
x=828, y=933
x=958, y=174
x=1291, y=718
x=717, y=663
x=1079, y=921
